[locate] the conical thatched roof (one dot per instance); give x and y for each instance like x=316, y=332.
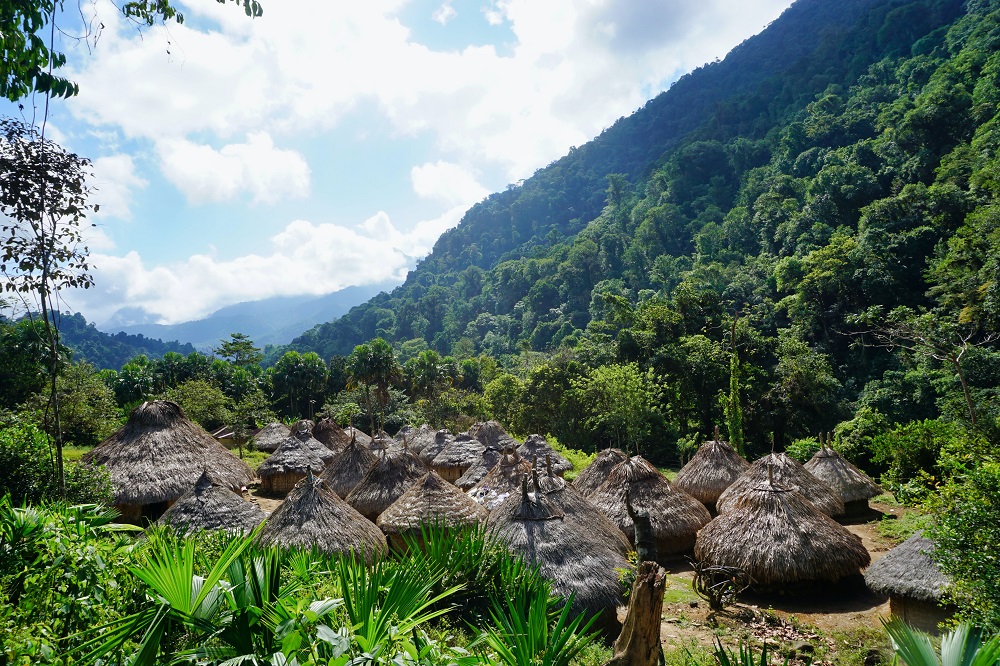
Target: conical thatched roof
x=314, y=517
x=788, y=473
x=348, y=468
x=331, y=435
x=489, y=457
x=358, y=435
x=779, y=539
x=491, y=433
x=158, y=455
x=536, y=448
x=293, y=457
x=576, y=508
x=431, y=500
x=383, y=444
x=270, y=437
x=210, y=506
x=302, y=431
x=848, y=481
x=908, y=570
x=596, y=473
x=710, y=471
x=461, y=452
x=417, y=438
x=676, y=517
x=384, y=482
x=430, y=449
x=501, y=481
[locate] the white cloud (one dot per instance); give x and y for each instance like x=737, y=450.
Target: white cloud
x=115, y=178
x=444, y=13
x=447, y=183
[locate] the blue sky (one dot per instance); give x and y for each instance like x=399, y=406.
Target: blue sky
x=327, y=144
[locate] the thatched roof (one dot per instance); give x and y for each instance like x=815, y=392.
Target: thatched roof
x=158, y=455
x=463, y=451
x=789, y=473
x=270, y=437
x=430, y=449
x=536, y=448
x=576, y=508
x=384, y=482
x=416, y=438
x=578, y=561
x=211, y=506
x=383, y=444
x=331, y=435
x=314, y=517
x=293, y=457
x=489, y=457
x=501, y=481
x=358, y=435
x=908, y=570
x=302, y=431
x=779, y=539
x=431, y=500
x=491, y=433
x=710, y=471
x=846, y=480
x=676, y=517
x=596, y=473
x=348, y=468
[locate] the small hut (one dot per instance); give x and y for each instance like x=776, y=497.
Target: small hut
x=914, y=583
x=458, y=456
x=348, y=468
x=270, y=437
x=284, y=468
x=210, y=506
x=431, y=500
x=302, y=431
x=430, y=449
x=473, y=475
x=314, y=517
x=491, y=433
x=501, y=481
x=578, y=561
x=576, y=508
x=536, y=448
x=416, y=438
x=853, y=486
x=359, y=435
x=674, y=515
x=710, y=471
x=157, y=456
x=596, y=473
x=781, y=541
x=384, y=482
x=331, y=435
x=789, y=473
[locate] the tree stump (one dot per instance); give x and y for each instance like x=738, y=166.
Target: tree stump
x=639, y=642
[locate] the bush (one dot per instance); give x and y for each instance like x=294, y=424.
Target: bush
x=802, y=449
x=27, y=473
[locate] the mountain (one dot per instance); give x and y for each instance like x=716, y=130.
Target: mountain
x=110, y=351
x=271, y=321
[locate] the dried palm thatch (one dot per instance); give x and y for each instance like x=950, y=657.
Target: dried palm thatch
x=302, y=431
x=288, y=465
x=853, y=486
x=314, y=517
x=676, y=517
x=789, y=473
x=536, y=448
x=710, y=471
x=157, y=456
x=331, y=435
x=210, y=506
x=358, y=435
x=491, y=433
x=914, y=583
x=382, y=444
x=429, y=501
x=781, y=541
x=270, y=437
x=576, y=508
x=430, y=449
x=416, y=438
x=577, y=560
x=384, y=482
x=475, y=474
x=459, y=455
x=501, y=481
x=348, y=468
x=596, y=473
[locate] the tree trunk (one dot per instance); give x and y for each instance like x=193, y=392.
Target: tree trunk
x=639, y=642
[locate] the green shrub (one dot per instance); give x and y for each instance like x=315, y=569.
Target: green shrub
x=27, y=473
x=855, y=438
x=579, y=459
x=802, y=449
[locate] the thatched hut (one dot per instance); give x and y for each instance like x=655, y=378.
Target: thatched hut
x=416, y=438
x=853, y=486
x=491, y=433
x=536, y=448
x=302, y=431
x=578, y=561
x=284, y=468
x=789, y=473
x=459, y=455
x=596, y=473
x=270, y=437
x=576, y=508
x=675, y=516
x=430, y=449
x=331, y=435
x=314, y=517
x=431, y=500
x=781, y=541
x=358, y=435
x=914, y=583
x=501, y=481
x=211, y=506
x=348, y=468
x=384, y=482
x=710, y=471
x=157, y=456
x=473, y=475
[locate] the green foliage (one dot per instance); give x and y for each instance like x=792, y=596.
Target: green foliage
x=802, y=449
x=620, y=402
x=202, y=402
x=239, y=350
x=580, y=459
x=88, y=413
x=28, y=471
x=962, y=646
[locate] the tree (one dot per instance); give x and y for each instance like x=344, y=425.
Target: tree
x=202, y=402
x=621, y=400
x=301, y=378
x=373, y=366
x=239, y=350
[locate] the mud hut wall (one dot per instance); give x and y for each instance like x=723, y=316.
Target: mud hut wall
x=451, y=474
x=922, y=615
x=280, y=484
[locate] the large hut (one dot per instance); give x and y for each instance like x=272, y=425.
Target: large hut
x=458, y=456
x=270, y=437
x=431, y=500
x=157, y=456
x=710, y=471
x=501, y=481
x=853, y=486
x=431, y=448
x=789, y=473
x=781, y=541
x=536, y=448
x=578, y=561
x=416, y=438
x=473, y=475
x=914, y=583
x=331, y=435
x=284, y=468
x=384, y=482
x=348, y=468
x=674, y=515
x=314, y=517
x=211, y=506
x=596, y=473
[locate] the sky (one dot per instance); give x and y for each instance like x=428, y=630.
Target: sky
x=329, y=143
